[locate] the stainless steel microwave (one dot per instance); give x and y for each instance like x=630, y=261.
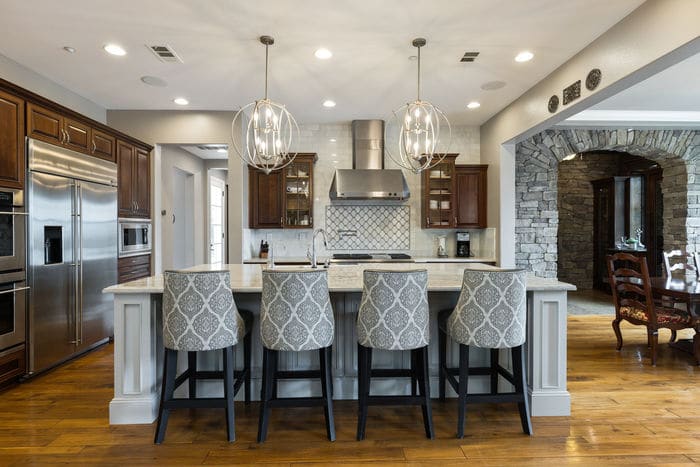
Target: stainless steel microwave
x=134, y=237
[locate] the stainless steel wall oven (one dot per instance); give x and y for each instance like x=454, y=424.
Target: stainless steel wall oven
x=13, y=302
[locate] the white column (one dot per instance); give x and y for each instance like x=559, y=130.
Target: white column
x=546, y=353
x=135, y=360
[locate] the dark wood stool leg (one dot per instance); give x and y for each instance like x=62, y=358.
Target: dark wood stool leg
x=442, y=351
x=229, y=363
x=463, y=388
x=326, y=359
x=414, y=373
x=494, y=371
x=364, y=363
x=424, y=382
x=266, y=393
x=169, y=374
x=192, y=372
x=247, y=352
x=520, y=376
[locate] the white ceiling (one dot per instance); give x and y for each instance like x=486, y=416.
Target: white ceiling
x=208, y=153
x=670, y=98
x=369, y=74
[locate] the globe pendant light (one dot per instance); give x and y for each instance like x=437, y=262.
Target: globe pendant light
x=268, y=130
x=416, y=129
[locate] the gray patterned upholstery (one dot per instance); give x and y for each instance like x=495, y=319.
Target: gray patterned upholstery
x=394, y=310
x=295, y=310
x=199, y=312
x=490, y=312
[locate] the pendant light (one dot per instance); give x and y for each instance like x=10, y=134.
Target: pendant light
x=416, y=129
x=268, y=130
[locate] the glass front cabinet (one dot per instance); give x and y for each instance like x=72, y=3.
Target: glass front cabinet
x=438, y=195
x=298, y=192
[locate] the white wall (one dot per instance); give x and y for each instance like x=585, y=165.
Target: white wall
x=655, y=36
x=175, y=159
x=28, y=79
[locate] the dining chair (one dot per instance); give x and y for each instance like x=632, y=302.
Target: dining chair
x=676, y=260
x=634, y=302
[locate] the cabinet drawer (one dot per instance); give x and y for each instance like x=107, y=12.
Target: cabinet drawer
x=134, y=260
x=12, y=364
x=134, y=267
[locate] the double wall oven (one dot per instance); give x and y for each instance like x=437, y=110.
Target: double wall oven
x=13, y=285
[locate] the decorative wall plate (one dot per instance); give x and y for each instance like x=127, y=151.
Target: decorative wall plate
x=593, y=79
x=553, y=104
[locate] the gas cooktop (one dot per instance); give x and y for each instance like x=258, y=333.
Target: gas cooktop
x=372, y=257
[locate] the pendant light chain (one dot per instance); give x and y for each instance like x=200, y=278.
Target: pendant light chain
x=267, y=61
x=418, y=93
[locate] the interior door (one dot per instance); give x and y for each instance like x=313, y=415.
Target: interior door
x=217, y=221
x=52, y=312
x=98, y=260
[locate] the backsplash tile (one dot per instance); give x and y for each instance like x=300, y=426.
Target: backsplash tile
x=368, y=227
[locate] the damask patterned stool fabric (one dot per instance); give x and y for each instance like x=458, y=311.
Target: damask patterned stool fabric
x=393, y=312
x=295, y=311
x=199, y=312
x=490, y=312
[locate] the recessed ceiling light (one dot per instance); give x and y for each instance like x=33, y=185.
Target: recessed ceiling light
x=181, y=101
x=114, y=49
x=70, y=50
x=413, y=57
x=154, y=81
x=221, y=151
x=329, y=103
x=323, y=54
x=473, y=105
x=524, y=56
x=332, y=140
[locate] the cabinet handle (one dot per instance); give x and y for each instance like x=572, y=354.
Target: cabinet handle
x=67, y=136
x=63, y=135
x=281, y=220
x=456, y=220
x=311, y=220
x=94, y=146
x=427, y=221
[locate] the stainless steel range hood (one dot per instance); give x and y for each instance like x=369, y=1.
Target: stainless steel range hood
x=368, y=179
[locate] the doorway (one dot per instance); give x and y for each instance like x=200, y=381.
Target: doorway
x=218, y=251
x=182, y=220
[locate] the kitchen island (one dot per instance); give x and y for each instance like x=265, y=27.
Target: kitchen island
x=138, y=343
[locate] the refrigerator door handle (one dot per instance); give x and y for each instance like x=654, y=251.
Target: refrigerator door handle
x=76, y=261
x=80, y=262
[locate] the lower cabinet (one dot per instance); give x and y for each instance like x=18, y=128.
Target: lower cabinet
x=133, y=267
x=12, y=363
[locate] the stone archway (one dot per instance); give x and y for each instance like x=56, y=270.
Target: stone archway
x=537, y=160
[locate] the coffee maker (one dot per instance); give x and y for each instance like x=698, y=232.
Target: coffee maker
x=463, y=247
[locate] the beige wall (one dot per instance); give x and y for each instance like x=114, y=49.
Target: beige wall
x=22, y=76
x=188, y=127
x=655, y=36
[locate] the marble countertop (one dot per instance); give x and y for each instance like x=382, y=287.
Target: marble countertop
x=418, y=259
x=442, y=277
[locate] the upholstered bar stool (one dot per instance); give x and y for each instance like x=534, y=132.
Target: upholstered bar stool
x=394, y=315
x=200, y=314
x=490, y=314
x=295, y=316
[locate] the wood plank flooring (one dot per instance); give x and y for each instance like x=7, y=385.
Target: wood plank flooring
x=624, y=412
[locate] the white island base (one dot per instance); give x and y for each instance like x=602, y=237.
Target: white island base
x=138, y=349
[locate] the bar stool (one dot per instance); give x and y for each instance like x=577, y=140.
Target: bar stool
x=200, y=314
x=394, y=315
x=295, y=316
x=490, y=314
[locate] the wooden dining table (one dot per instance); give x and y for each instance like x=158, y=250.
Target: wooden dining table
x=686, y=290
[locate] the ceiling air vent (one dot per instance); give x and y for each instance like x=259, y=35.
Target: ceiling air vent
x=165, y=53
x=469, y=56
x=212, y=147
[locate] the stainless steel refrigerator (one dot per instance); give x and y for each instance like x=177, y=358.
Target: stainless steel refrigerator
x=72, y=252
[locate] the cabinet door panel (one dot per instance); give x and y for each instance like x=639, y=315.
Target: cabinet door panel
x=142, y=183
x=103, y=145
x=77, y=136
x=265, y=200
x=471, y=196
x=44, y=124
x=11, y=141
x=125, y=165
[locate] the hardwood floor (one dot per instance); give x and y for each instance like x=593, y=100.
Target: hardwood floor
x=624, y=412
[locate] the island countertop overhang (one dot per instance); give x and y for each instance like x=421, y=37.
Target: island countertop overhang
x=247, y=278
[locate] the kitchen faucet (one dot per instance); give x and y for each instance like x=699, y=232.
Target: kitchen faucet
x=312, y=254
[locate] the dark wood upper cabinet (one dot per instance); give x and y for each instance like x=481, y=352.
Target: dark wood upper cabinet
x=134, y=166
x=438, y=187
x=265, y=197
x=125, y=166
x=12, y=162
x=44, y=124
x=104, y=145
x=77, y=136
x=142, y=183
x=470, y=196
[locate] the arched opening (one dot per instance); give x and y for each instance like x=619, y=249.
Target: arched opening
x=607, y=201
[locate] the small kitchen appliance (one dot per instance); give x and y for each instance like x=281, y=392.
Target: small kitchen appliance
x=442, y=247
x=463, y=245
